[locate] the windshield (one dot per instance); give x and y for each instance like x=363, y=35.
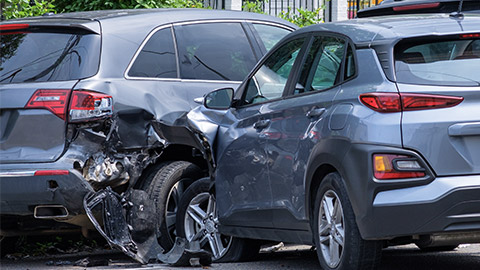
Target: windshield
x=446, y=62
x=44, y=56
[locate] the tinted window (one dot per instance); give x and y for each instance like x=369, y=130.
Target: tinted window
x=270, y=80
x=41, y=56
x=157, y=58
x=349, y=64
x=448, y=62
x=270, y=34
x=214, y=51
x=322, y=66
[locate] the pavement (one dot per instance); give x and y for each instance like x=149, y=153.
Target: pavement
x=406, y=257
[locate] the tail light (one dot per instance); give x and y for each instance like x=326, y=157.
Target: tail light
x=51, y=172
x=52, y=100
x=391, y=166
x=84, y=105
x=394, y=102
x=416, y=6
x=13, y=29
x=14, y=26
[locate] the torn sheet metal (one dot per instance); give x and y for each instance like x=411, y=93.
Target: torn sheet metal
x=128, y=223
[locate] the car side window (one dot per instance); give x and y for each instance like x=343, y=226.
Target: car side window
x=322, y=66
x=214, y=51
x=270, y=80
x=157, y=58
x=270, y=34
x=349, y=64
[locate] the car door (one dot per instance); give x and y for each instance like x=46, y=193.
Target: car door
x=242, y=185
x=300, y=123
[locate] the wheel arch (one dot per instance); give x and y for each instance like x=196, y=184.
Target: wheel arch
x=174, y=152
x=316, y=178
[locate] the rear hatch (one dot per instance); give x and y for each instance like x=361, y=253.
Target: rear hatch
x=39, y=66
x=444, y=124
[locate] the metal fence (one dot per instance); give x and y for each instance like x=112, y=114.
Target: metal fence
x=276, y=7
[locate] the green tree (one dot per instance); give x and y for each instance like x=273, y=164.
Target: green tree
x=12, y=9
x=84, y=5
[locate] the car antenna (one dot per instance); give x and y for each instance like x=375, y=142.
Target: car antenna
x=458, y=13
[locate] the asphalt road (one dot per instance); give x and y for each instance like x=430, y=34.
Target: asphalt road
x=292, y=257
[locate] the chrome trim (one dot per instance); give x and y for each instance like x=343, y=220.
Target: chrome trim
x=210, y=81
x=434, y=191
x=17, y=173
x=210, y=21
x=61, y=207
x=272, y=24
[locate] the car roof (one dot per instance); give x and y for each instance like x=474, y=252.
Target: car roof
x=366, y=31
x=391, y=7
x=148, y=17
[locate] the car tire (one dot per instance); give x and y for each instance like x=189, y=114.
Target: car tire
x=165, y=186
x=199, y=202
x=8, y=245
x=340, y=246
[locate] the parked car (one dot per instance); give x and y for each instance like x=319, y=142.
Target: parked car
x=349, y=136
x=80, y=96
x=398, y=7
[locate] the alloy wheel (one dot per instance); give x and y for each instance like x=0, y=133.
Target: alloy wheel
x=331, y=228
x=201, y=224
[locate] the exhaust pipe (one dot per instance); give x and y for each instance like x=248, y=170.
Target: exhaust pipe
x=449, y=239
x=50, y=211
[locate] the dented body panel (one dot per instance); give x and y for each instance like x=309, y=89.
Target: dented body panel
x=50, y=161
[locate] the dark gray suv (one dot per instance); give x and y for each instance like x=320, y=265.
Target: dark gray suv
x=348, y=136
x=81, y=96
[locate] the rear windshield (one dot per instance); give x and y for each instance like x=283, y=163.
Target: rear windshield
x=446, y=62
x=48, y=56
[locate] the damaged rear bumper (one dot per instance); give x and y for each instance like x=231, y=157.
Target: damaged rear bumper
x=45, y=193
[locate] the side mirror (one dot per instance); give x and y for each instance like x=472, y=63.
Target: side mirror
x=220, y=99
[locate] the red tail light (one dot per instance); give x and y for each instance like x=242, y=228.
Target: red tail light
x=84, y=105
x=51, y=172
x=394, y=102
x=390, y=166
x=417, y=6
x=15, y=26
x=10, y=27
x=470, y=36
x=52, y=100
x=382, y=102
x=412, y=102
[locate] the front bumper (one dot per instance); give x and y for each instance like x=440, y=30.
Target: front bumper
x=21, y=191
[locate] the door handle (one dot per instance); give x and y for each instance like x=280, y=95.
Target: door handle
x=315, y=112
x=261, y=124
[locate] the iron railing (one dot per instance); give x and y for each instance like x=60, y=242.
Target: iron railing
x=276, y=7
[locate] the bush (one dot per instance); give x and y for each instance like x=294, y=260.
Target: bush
x=303, y=18
x=84, y=5
x=253, y=6
x=12, y=9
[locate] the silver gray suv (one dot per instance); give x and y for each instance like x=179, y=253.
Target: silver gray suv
x=82, y=95
x=349, y=136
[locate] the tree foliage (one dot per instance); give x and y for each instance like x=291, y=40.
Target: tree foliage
x=84, y=5
x=12, y=9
